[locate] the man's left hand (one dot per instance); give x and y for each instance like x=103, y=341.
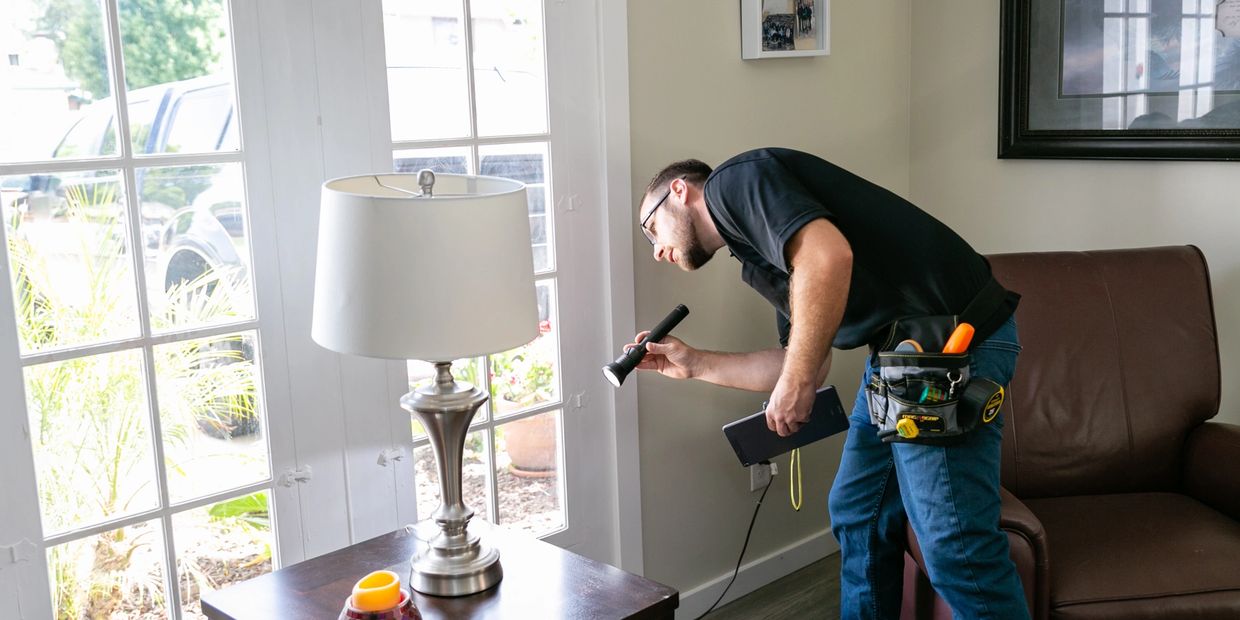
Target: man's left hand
x=790, y=405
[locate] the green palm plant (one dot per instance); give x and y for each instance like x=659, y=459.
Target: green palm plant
x=89, y=424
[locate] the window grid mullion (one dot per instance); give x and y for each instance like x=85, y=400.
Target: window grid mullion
x=61, y=355
x=79, y=165
x=173, y=600
x=120, y=96
x=155, y=513
x=480, y=141
x=467, y=16
x=161, y=478
x=492, y=471
x=486, y=388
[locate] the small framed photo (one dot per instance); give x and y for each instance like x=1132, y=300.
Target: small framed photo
x=784, y=28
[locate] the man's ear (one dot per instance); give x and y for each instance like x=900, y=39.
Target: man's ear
x=680, y=188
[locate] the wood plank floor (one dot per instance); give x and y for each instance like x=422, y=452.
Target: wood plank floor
x=812, y=592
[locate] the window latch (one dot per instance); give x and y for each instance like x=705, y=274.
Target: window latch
x=297, y=474
x=17, y=552
x=391, y=455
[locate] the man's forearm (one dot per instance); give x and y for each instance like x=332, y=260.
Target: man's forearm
x=756, y=371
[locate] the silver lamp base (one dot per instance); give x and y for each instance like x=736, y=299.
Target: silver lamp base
x=459, y=567
x=451, y=558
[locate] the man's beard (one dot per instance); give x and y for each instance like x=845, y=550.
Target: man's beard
x=693, y=254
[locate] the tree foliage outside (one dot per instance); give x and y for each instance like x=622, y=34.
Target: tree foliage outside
x=162, y=40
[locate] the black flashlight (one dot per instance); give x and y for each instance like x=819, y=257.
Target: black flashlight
x=619, y=369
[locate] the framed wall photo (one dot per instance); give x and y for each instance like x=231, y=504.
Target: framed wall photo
x=1120, y=79
x=784, y=28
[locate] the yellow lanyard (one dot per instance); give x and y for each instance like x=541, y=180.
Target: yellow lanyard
x=794, y=474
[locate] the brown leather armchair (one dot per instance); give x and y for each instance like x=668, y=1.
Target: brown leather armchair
x=1120, y=500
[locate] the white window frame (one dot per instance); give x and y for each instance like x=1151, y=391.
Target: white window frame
x=591, y=210
x=311, y=89
x=25, y=592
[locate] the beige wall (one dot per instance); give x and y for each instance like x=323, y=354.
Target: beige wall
x=692, y=96
x=1019, y=205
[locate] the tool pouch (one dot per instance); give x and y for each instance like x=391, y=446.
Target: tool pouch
x=932, y=392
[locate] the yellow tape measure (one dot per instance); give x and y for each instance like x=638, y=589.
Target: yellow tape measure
x=992, y=406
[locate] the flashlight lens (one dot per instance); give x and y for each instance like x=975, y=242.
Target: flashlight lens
x=611, y=376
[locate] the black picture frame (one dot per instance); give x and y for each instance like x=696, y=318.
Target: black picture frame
x=1018, y=95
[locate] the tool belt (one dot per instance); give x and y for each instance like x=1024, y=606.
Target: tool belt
x=929, y=397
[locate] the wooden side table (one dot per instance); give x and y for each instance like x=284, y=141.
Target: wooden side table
x=540, y=581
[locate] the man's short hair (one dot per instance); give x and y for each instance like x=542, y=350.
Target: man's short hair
x=693, y=170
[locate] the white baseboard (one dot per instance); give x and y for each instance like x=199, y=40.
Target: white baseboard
x=757, y=573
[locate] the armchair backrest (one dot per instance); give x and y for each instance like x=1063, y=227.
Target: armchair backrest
x=1120, y=362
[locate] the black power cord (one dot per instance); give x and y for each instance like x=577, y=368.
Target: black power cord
x=743, y=547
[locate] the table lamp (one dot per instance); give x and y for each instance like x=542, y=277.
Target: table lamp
x=436, y=268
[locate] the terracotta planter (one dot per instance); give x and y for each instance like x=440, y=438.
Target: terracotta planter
x=531, y=444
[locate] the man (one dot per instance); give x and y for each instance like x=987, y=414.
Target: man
x=841, y=259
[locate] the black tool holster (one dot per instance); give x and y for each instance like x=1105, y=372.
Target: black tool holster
x=931, y=389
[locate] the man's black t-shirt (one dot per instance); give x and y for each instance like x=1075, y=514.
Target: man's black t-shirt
x=905, y=262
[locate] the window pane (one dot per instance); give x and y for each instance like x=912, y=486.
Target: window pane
x=221, y=544
x=211, y=415
x=55, y=93
x=143, y=106
x=529, y=375
x=526, y=163
x=117, y=574
x=181, y=95
x=72, y=276
x=510, y=79
x=421, y=373
x=90, y=433
x=453, y=159
x=196, y=245
x=474, y=491
x=527, y=474
x=427, y=91
x=203, y=121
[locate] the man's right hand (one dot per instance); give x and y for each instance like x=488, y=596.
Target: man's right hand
x=671, y=357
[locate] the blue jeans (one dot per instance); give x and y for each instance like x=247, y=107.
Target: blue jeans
x=950, y=495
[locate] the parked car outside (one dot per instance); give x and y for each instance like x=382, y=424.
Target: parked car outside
x=189, y=116
x=192, y=216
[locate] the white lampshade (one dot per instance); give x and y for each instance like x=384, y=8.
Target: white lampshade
x=403, y=276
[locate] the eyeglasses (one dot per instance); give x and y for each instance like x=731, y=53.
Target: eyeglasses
x=646, y=231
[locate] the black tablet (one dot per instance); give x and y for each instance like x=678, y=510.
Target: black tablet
x=754, y=442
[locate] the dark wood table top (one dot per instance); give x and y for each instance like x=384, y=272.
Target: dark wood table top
x=540, y=581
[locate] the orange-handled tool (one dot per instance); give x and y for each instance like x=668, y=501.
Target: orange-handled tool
x=959, y=340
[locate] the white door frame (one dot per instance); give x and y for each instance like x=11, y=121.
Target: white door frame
x=332, y=415
x=588, y=100
x=24, y=585
x=613, y=45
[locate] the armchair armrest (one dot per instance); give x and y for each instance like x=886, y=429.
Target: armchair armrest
x=1027, y=538
x=1015, y=516
x=1211, y=470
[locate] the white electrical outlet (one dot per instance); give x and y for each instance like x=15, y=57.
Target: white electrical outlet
x=759, y=476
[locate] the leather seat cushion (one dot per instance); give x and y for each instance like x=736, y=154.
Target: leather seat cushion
x=1140, y=555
